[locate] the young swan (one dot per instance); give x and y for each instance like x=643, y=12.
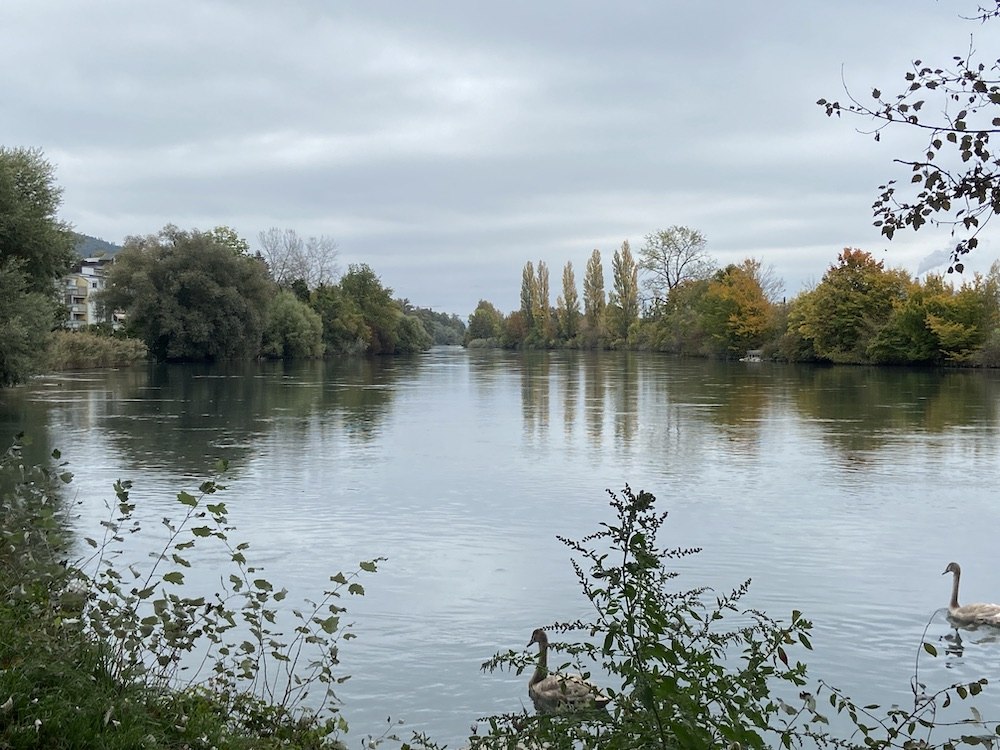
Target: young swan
x=554, y=692
x=970, y=614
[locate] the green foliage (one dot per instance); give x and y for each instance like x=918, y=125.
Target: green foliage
x=678, y=325
x=412, y=336
x=75, y=350
x=855, y=299
x=293, y=330
x=623, y=304
x=485, y=324
x=594, y=301
x=568, y=306
x=26, y=317
x=376, y=306
x=228, y=237
x=444, y=329
x=678, y=678
x=188, y=297
x=29, y=228
x=108, y=653
x=35, y=249
x=344, y=328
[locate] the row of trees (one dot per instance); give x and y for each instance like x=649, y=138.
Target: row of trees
x=191, y=295
x=861, y=312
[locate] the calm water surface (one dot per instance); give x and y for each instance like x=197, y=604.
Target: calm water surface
x=842, y=492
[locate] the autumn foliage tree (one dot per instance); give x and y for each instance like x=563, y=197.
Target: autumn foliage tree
x=736, y=308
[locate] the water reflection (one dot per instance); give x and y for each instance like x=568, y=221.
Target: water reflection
x=594, y=373
x=535, y=390
x=842, y=491
x=183, y=417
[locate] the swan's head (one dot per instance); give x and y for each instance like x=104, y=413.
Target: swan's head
x=538, y=636
x=953, y=567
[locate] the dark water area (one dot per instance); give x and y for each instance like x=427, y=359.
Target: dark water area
x=842, y=492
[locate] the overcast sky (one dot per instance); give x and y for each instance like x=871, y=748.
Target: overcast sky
x=447, y=143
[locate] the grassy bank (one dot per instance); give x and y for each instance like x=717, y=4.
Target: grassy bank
x=80, y=350
x=85, y=663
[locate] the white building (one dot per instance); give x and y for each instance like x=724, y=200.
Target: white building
x=79, y=289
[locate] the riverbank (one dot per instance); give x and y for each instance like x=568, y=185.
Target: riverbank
x=83, y=350
x=63, y=683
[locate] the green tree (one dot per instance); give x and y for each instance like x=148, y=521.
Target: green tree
x=568, y=305
x=376, y=305
x=228, y=237
x=937, y=324
x=188, y=297
x=344, y=328
x=671, y=256
x=593, y=299
x=623, y=304
x=485, y=323
x=529, y=293
x=35, y=250
x=445, y=329
x=388, y=330
x=955, y=179
x=29, y=229
x=294, y=330
x=26, y=319
x=843, y=314
x=541, y=314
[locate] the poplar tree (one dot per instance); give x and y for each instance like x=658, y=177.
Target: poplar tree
x=625, y=293
x=541, y=315
x=593, y=296
x=568, y=305
x=529, y=292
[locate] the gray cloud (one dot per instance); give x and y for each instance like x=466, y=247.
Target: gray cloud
x=446, y=143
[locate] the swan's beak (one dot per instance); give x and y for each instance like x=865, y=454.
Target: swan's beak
x=945, y=573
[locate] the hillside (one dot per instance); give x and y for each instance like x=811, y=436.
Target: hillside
x=89, y=247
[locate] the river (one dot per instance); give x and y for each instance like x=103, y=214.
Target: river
x=841, y=491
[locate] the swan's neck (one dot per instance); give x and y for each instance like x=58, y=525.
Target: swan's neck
x=542, y=668
x=954, y=591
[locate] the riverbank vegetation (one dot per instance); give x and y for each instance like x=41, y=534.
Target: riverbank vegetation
x=111, y=648
x=860, y=313
x=190, y=295
x=186, y=295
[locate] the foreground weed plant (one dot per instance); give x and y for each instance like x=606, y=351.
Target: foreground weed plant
x=113, y=654
x=681, y=677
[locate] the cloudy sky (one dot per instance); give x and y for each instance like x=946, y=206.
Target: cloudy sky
x=446, y=142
